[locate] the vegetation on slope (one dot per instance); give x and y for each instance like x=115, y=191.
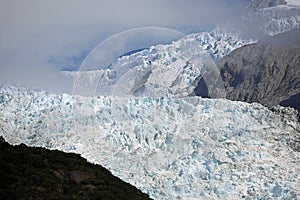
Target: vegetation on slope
x=37, y=173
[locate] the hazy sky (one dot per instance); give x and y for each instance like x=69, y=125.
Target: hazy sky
x=37, y=37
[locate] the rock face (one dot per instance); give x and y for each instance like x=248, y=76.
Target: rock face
x=257, y=4
x=267, y=72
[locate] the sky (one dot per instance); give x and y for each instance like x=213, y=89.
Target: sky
x=39, y=38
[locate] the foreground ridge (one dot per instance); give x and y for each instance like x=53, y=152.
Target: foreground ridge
x=35, y=173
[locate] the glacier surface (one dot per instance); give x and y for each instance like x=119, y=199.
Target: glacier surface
x=170, y=148
x=163, y=70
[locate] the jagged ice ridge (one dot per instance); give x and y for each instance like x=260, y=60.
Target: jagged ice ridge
x=172, y=69
x=186, y=148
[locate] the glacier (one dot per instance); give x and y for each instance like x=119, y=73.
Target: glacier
x=144, y=73
x=152, y=132
x=169, y=147
x=277, y=19
x=143, y=68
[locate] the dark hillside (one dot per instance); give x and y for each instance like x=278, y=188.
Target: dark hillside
x=267, y=72
x=37, y=173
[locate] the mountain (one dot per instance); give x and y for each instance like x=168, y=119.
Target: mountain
x=145, y=124
x=178, y=69
x=267, y=72
x=37, y=173
x=169, y=147
x=162, y=70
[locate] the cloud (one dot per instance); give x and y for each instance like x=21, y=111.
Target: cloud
x=39, y=38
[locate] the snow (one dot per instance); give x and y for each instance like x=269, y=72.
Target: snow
x=279, y=19
x=169, y=147
x=293, y=2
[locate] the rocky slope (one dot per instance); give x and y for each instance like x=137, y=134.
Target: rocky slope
x=267, y=72
x=37, y=173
